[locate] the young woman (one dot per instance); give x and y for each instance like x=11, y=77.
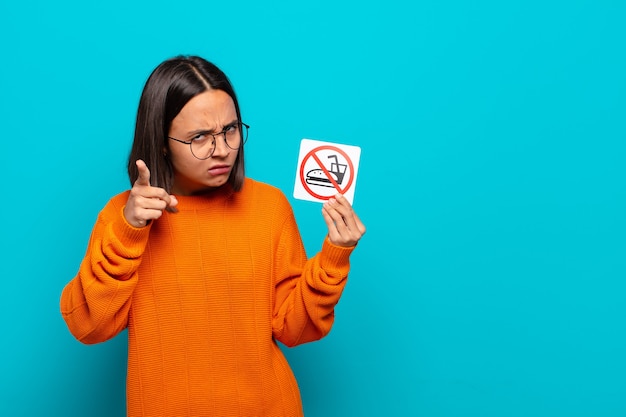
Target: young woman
x=203, y=266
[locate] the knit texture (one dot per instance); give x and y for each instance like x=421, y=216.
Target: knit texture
x=205, y=293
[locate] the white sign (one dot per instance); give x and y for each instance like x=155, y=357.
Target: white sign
x=326, y=169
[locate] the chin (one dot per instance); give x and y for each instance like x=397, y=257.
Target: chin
x=216, y=183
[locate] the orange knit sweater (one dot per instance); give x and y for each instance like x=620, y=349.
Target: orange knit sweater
x=205, y=293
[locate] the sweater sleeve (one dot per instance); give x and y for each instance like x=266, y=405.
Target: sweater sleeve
x=96, y=302
x=306, y=291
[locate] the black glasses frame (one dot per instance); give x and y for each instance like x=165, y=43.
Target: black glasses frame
x=244, y=138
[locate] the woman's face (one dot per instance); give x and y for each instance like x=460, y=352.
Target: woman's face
x=212, y=111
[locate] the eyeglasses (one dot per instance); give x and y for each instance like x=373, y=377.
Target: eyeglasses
x=203, y=144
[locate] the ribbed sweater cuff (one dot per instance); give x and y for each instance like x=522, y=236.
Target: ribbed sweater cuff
x=133, y=240
x=335, y=260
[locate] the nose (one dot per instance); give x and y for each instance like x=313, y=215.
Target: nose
x=221, y=149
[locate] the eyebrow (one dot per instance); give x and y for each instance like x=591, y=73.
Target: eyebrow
x=211, y=131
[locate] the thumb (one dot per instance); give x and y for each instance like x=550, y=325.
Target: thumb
x=144, y=173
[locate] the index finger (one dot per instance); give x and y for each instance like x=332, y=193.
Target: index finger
x=343, y=201
x=144, y=173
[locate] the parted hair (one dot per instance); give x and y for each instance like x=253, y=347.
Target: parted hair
x=170, y=86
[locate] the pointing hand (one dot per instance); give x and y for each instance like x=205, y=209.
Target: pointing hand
x=146, y=203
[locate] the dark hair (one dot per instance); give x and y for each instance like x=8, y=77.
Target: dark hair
x=170, y=86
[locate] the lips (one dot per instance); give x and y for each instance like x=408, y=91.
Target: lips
x=219, y=169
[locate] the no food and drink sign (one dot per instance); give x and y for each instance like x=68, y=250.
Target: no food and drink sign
x=326, y=169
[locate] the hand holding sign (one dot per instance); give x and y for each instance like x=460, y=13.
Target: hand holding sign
x=344, y=226
x=145, y=202
x=327, y=173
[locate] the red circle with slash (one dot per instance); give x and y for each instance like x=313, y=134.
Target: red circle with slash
x=312, y=154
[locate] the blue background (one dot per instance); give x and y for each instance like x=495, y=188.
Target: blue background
x=491, y=280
